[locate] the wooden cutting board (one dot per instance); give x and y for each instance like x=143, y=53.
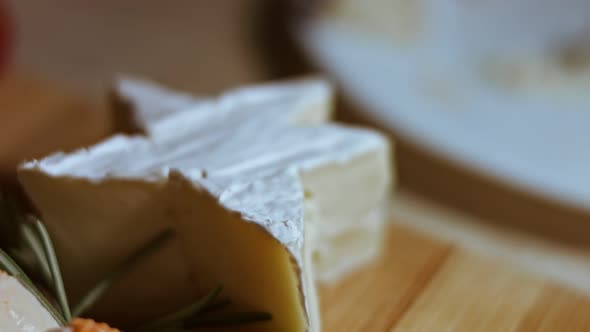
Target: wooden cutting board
x=421, y=284
x=443, y=270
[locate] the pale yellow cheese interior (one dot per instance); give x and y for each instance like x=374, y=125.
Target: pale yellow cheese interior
x=95, y=226
x=255, y=269
x=102, y=223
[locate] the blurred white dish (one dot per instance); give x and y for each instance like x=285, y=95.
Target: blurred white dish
x=526, y=124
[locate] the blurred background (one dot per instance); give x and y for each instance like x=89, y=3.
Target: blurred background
x=487, y=102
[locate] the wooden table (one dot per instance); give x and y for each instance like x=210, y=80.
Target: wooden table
x=468, y=278
x=423, y=285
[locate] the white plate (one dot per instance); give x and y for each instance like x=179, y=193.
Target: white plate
x=538, y=141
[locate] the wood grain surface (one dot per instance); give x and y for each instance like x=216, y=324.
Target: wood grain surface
x=421, y=284
x=378, y=296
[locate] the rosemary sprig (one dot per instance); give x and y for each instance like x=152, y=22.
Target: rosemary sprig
x=58, y=285
x=8, y=265
x=202, y=313
x=176, y=318
x=105, y=283
x=31, y=238
x=218, y=305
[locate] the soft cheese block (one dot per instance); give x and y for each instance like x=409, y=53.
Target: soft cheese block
x=346, y=242
x=260, y=194
x=20, y=311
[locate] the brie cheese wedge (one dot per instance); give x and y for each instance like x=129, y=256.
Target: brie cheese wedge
x=20, y=311
x=260, y=194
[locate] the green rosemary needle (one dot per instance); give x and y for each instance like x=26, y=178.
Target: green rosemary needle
x=176, y=319
x=105, y=283
x=202, y=313
x=32, y=239
x=58, y=285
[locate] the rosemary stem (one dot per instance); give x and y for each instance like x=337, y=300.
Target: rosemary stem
x=58, y=285
x=176, y=318
x=34, y=242
x=105, y=283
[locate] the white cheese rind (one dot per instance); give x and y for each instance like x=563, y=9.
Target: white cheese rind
x=20, y=311
x=127, y=90
x=303, y=102
x=236, y=171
